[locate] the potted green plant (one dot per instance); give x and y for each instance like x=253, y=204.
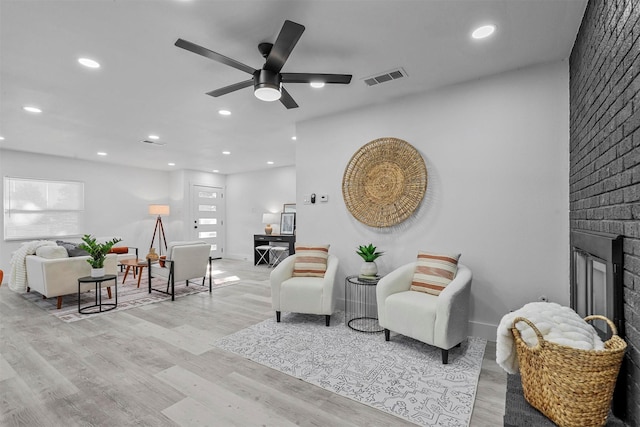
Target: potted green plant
x=98, y=252
x=369, y=254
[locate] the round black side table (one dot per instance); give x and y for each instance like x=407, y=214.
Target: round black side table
x=360, y=303
x=98, y=307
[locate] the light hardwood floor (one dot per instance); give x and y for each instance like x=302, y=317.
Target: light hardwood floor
x=154, y=366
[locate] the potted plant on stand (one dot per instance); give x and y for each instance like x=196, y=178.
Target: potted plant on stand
x=97, y=252
x=369, y=268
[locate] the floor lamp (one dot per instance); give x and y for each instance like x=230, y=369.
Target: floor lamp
x=158, y=210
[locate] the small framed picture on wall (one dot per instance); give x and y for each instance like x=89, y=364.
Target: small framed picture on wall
x=287, y=222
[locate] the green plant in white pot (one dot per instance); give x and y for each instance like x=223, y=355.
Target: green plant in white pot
x=369, y=255
x=98, y=252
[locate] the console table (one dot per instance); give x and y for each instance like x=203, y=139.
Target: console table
x=262, y=239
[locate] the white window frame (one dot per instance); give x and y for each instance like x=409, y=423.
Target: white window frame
x=41, y=214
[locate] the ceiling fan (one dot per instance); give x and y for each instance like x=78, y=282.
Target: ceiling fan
x=267, y=81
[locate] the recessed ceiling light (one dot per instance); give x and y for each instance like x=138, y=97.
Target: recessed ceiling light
x=294, y=138
x=32, y=109
x=317, y=85
x=484, y=31
x=101, y=153
x=1, y=138
x=89, y=63
x=269, y=162
x=215, y=171
x=224, y=112
x=154, y=137
x=226, y=152
x=171, y=164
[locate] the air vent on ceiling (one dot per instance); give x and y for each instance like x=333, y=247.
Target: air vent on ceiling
x=155, y=143
x=395, y=74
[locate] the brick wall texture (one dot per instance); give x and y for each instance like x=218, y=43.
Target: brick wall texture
x=604, y=181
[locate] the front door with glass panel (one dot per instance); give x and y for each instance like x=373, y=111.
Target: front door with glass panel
x=207, y=217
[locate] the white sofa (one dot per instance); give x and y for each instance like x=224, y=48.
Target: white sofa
x=56, y=277
x=56, y=274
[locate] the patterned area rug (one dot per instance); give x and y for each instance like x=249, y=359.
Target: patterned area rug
x=403, y=377
x=129, y=295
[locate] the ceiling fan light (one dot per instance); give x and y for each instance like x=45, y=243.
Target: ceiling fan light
x=317, y=85
x=267, y=93
x=267, y=86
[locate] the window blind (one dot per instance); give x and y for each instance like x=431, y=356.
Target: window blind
x=38, y=209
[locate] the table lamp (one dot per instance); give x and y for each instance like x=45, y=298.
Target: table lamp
x=269, y=218
x=158, y=210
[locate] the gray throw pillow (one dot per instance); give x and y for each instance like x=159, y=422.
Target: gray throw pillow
x=72, y=248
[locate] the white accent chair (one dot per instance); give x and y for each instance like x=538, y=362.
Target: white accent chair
x=441, y=321
x=312, y=295
x=185, y=261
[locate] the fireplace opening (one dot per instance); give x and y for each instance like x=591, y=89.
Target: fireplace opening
x=597, y=288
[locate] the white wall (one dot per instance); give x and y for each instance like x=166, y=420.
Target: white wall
x=116, y=197
x=249, y=195
x=496, y=151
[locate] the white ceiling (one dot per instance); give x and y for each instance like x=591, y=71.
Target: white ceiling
x=146, y=85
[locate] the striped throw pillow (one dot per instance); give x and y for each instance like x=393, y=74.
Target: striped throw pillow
x=311, y=261
x=434, y=272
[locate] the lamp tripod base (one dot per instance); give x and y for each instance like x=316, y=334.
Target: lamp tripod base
x=152, y=255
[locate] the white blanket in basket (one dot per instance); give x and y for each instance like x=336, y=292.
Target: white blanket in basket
x=556, y=323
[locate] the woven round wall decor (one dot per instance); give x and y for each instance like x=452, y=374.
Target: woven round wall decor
x=384, y=182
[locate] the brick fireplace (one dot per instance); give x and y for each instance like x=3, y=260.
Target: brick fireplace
x=604, y=174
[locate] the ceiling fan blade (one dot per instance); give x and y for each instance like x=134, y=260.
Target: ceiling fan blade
x=315, y=77
x=286, y=41
x=231, y=88
x=286, y=99
x=184, y=44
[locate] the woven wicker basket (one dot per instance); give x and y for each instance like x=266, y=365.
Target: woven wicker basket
x=572, y=387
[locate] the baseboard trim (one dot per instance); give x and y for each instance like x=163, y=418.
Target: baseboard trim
x=238, y=257
x=487, y=331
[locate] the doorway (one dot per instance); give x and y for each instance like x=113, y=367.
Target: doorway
x=207, y=213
